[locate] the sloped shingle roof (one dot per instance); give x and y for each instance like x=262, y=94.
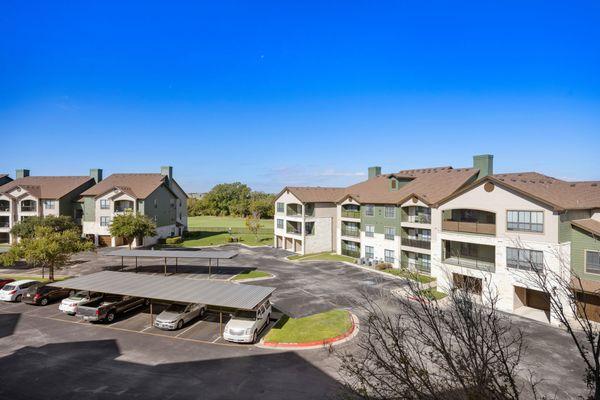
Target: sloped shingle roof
x=590, y=225
x=47, y=187
x=139, y=186
x=315, y=194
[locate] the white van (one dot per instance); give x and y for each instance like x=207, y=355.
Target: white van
x=244, y=326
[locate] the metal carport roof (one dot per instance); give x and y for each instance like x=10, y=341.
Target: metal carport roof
x=207, y=254
x=171, y=288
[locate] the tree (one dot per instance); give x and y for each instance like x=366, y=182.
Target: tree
x=235, y=199
x=47, y=248
x=253, y=224
x=26, y=228
x=422, y=349
x=262, y=203
x=131, y=226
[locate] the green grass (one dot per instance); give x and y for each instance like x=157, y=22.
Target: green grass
x=321, y=257
x=410, y=275
x=251, y=274
x=432, y=294
x=206, y=221
x=195, y=239
x=312, y=328
x=35, y=278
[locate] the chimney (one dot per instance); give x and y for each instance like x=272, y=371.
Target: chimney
x=485, y=164
x=374, y=171
x=96, y=173
x=22, y=173
x=167, y=171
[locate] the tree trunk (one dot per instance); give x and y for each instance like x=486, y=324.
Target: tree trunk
x=51, y=273
x=597, y=389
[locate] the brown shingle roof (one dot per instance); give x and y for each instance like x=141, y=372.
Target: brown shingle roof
x=139, y=186
x=47, y=187
x=590, y=225
x=315, y=194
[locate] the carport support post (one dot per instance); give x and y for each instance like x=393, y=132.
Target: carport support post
x=122, y=263
x=165, y=266
x=136, y=264
x=209, y=267
x=221, y=323
x=176, y=264
x=151, y=315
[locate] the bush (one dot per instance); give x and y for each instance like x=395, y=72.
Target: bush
x=383, y=266
x=233, y=239
x=174, y=240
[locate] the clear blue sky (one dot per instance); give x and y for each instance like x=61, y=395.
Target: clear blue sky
x=300, y=93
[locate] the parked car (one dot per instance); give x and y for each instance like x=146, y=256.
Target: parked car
x=108, y=307
x=43, y=294
x=4, y=281
x=176, y=315
x=69, y=305
x=244, y=326
x=14, y=291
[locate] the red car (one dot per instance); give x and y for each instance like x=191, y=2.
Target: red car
x=4, y=281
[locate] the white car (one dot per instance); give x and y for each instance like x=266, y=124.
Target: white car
x=244, y=326
x=69, y=305
x=14, y=291
x=176, y=315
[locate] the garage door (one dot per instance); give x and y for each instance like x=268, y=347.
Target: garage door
x=104, y=241
x=591, y=303
x=537, y=299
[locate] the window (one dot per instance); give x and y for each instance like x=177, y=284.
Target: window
x=390, y=232
x=369, y=210
x=155, y=203
x=104, y=204
x=592, y=262
x=394, y=184
x=49, y=204
x=369, y=252
x=309, y=228
x=388, y=256
x=280, y=207
x=525, y=221
x=369, y=230
x=527, y=260
x=104, y=221
x=425, y=234
x=390, y=212
x=279, y=224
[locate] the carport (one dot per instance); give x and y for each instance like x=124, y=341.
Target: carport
x=209, y=255
x=218, y=295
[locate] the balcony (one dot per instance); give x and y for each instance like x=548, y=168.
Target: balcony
x=4, y=222
x=469, y=221
x=469, y=255
x=350, y=252
x=293, y=228
x=28, y=206
x=416, y=264
x=4, y=206
x=122, y=206
x=294, y=210
x=350, y=232
x=350, y=214
x=419, y=243
x=416, y=215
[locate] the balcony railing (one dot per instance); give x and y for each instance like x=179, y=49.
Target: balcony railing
x=28, y=208
x=474, y=263
x=351, y=253
x=419, y=219
x=421, y=244
x=350, y=232
x=291, y=213
x=350, y=214
x=418, y=265
x=4, y=224
x=294, y=231
x=469, y=227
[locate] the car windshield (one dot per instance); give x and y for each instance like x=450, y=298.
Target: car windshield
x=242, y=314
x=8, y=287
x=79, y=295
x=178, y=308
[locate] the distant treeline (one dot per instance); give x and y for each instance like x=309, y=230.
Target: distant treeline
x=235, y=199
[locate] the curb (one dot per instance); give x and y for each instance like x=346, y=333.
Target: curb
x=317, y=344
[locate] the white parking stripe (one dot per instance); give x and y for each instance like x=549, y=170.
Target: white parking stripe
x=190, y=327
x=146, y=328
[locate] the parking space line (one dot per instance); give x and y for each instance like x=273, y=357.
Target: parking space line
x=190, y=327
x=146, y=328
x=216, y=339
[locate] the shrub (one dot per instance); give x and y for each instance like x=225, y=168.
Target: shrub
x=233, y=239
x=383, y=266
x=174, y=240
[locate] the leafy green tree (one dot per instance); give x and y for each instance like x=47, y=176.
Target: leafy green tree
x=131, y=225
x=262, y=203
x=253, y=224
x=226, y=199
x=26, y=228
x=47, y=248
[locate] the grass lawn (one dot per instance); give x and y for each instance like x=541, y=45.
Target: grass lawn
x=312, y=328
x=251, y=274
x=35, y=278
x=321, y=257
x=433, y=294
x=194, y=239
x=206, y=221
x=410, y=275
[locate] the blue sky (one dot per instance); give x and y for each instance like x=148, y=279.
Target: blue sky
x=301, y=93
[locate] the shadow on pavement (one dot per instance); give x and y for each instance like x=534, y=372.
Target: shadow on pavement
x=8, y=323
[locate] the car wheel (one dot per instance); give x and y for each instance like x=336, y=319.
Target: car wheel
x=254, y=337
x=18, y=298
x=110, y=317
x=180, y=324
x=44, y=301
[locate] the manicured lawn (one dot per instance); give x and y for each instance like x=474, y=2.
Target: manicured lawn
x=35, y=278
x=312, y=328
x=433, y=294
x=195, y=239
x=251, y=274
x=410, y=275
x=224, y=222
x=321, y=257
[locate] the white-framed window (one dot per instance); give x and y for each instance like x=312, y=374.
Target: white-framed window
x=592, y=262
x=388, y=256
x=280, y=207
x=369, y=230
x=155, y=203
x=279, y=224
x=369, y=210
x=525, y=259
x=389, y=232
x=425, y=234
x=369, y=252
x=390, y=212
x=104, y=221
x=104, y=204
x=525, y=221
x=309, y=228
x=49, y=204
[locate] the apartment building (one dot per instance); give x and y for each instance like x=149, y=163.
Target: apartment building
x=466, y=227
x=156, y=195
x=29, y=196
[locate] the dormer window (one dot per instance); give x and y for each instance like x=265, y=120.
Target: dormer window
x=394, y=184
